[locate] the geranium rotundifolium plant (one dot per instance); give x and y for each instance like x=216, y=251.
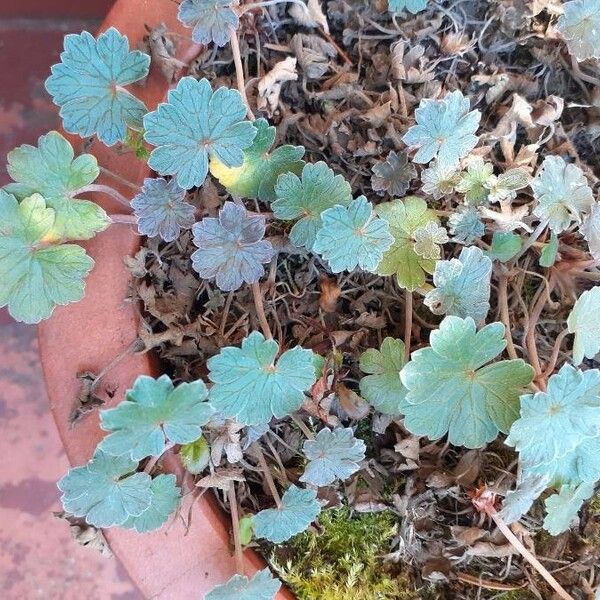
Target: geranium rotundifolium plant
x=253, y=385
x=306, y=196
x=52, y=170
x=382, y=386
x=193, y=125
x=406, y=217
x=37, y=271
x=455, y=389
x=412, y=6
x=210, y=20
x=155, y=413
x=428, y=240
x=462, y=285
x=161, y=209
x=393, y=175
x=590, y=229
x=257, y=176
x=353, y=236
x=89, y=85
x=332, y=454
x=579, y=25
x=299, y=508
x=263, y=586
x=465, y=225
x=231, y=248
x=562, y=508
x=584, y=323
x=445, y=129
x=472, y=182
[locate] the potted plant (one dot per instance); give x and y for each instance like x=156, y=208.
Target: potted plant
x=338, y=370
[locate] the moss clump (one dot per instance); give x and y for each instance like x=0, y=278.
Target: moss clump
x=516, y=595
x=594, y=506
x=344, y=560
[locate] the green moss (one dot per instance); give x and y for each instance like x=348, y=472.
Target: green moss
x=516, y=595
x=594, y=506
x=343, y=560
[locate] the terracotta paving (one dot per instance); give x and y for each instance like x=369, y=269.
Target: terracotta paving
x=38, y=558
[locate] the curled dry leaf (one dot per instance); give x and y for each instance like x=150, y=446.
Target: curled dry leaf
x=269, y=86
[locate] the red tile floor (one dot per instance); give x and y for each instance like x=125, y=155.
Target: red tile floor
x=38, y=558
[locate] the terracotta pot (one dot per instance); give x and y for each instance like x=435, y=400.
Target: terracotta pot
x=171, y=563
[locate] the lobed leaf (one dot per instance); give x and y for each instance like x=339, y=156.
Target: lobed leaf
x=405, y=217
x=440, y=179
x=428, y=239
x=579, y=25
x=194, y=124
x=445, y=129
x=472, y=182
x=210, y=20
x=517, y=502
x=584, y=323
x=332, y=455
x=466, y=226
x=562, y=508
x=505, y=246
x=452, y=389
x=412, y=6
x=195, y=455
x=263, y=586
x=394, y=174
x=590, y=230
x=257, y=176
x=252, y=386
x=231, y=248
x=352, y=236
x=307, y=197
x=51, y=170
x=462, y=286
x=383, y=388
x=88, y=85
x=154, y=413
x=299, y=508
x=36, y=275
x=161, y=209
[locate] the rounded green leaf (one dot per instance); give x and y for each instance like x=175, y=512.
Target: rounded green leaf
x=88, y=85
x=412, y=6
x=393, y=175
x=252, y=386
x=36, y=276
x=194, y=124
x=299, y=508
x=257, y=176
x=195, y=455
x=562, y=508
x=352, y=236
x=153, y=413
x=263, y=586
x=452, y=389
x=107, y=491
x=584, y=323
x=579, y=25
x=211, y=20
x=383, y=388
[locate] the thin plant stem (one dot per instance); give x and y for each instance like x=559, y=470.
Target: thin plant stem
x=102, y=189
x=123, y=219
x=302, y=426
x=505, y=315
x=531, y=239
x=408, y=311
x=120, y=179
x=239, y=72
x=235, y=527
x=264, y=467
x=527, y=555
x=152, y=462
x=260, y=310
x=555, y=352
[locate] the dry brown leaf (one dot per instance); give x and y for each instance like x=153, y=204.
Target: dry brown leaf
x=222, y=478
x=311, y=16
x=352, y=404
x=330, y=292
x=269, y=86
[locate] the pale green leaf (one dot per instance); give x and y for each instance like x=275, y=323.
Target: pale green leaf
x=252, y=386
x=35, y=274
x=584, y=322
x=505, y=246
x=299, y=508
x=549, y=251
x=428, y=240
x=462, y=286
x=466, y=226
x=383, y=388
x=405, y=217
x=580, y=26
x=472, y=182
x=452, y=388
x=154, y=413
x=517, y=502
x=332, y=455
x=51, y=169
x=590, y=229
x=562, y=508
x=195, y=455
x=261, y=587
x=440, y=179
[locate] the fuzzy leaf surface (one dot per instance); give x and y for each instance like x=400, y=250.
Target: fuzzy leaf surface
x=51, y=169
x=332, y=455
x=36, y=277
x=517, y=502
x=428, y=240
x=393, y=175
x=299, y=508
x=445, y=129
x=353, y=236
x=452, y=388
x=195, y=455
x=466, y=226
x=161, y=209
x=194, y=124
x=584, y=323
x=210, y=20
x=257, y=176
x=165, y=499
x=252, y=386
x=263, y=586
x=405, y=217
x=579, y=25
x=306, y=197
x=383, y=388
x=472, y=182
x=562, y=508
x=549, y=251
x=462, y=286
x=231, y=248
x=106, y=491
x=590, y=229
x=562, y=193
x=88, y=85
x=504, y=246
x=553, y=423
x=412, y=6
x=153, y=413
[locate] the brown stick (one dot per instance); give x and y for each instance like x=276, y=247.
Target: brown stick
x=262, y=461
x=260, y=310
x=239, y=72
x=505, y=315
x=235, y=527
x=408, y=311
